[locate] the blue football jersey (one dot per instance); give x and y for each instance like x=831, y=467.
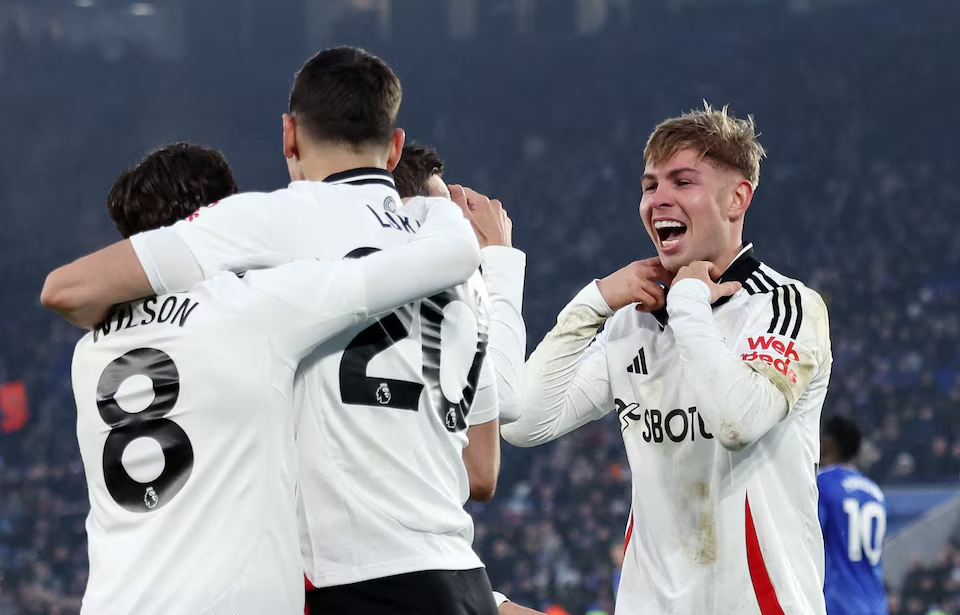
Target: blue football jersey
x=853, y=517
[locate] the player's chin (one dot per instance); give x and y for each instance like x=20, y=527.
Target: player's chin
x=672, y=262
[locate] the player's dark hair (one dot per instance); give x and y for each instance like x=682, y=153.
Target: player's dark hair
x=346, y=95
x=167, y=186
x=417, y=165
x=846, y=434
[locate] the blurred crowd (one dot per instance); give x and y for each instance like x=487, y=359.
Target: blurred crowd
x=858, y=199
x=931, y=590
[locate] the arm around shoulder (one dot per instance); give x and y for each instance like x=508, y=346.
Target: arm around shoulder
x=84, y=291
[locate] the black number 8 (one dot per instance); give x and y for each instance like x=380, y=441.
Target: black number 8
x=125, y=427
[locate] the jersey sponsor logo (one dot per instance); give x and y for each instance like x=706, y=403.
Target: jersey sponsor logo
x=639, y=365
x=390, y=204
x=627, y=411
x=772, y=351
x=677, y=425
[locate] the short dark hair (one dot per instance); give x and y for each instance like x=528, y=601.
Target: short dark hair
x=346, y=95
x=169, y=185
x=846, y=434
x=417, y=165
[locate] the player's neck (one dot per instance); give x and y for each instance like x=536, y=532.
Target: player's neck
x=725, y=259
x=836, y=463
x=323, y=163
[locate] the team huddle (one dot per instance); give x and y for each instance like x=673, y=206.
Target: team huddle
x=285, y=399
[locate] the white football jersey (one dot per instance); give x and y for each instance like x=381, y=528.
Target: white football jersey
x=383, y=407
x=186, y=429
x=713, y=530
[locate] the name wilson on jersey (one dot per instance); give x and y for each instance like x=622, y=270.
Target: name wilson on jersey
x=175, y=310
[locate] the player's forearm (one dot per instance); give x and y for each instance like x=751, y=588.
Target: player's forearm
x=482, y=460
x=84, y=291
x=738, y=404
x=444, y=254
x=503, y=274
x=558, y=396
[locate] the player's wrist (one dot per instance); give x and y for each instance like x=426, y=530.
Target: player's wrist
x=592, y=296
x=691, y=289
x=610, y=294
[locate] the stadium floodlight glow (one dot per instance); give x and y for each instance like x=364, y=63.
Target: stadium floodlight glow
x=84, y=4
x=142, y=9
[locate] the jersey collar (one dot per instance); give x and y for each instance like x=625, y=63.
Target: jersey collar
x=362, y=177
x=742, y=267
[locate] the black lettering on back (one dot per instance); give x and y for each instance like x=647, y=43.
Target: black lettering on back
x=146, y=308
x=170, y=302
x=183, y=312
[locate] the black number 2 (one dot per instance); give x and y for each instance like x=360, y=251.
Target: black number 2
x=356, y=388
x=125, y=427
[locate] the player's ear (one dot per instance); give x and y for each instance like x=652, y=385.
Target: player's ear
x=740, y=200
x=290, y=147
x=396, y=149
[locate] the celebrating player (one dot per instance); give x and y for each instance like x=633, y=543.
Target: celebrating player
x=854, y=520
x=419, y=173
x=381, y=419
x=718, y=389
x=185, y=414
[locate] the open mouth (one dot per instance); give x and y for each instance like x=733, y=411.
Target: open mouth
x=669, y=232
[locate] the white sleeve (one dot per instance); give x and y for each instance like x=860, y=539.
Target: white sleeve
x=326, y=298
x=486, y=403
x=566, y=380
x=499, y=598
x=240, y=233
x=503, y=275
x=741, y=395
x=167, y=261
x=310, y=301
x=444, y=253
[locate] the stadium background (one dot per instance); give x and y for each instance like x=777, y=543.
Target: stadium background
x=544, y=104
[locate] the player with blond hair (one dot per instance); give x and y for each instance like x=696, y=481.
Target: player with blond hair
x=718, y=387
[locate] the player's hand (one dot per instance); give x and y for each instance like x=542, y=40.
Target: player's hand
x=636, y=283
x=490, y=222
x=509, y=608
x=704, y=271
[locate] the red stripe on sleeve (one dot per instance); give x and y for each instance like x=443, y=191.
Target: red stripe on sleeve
x=762, y=586
x=626, y=540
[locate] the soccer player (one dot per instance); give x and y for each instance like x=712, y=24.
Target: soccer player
x=185, y=415
x=853, y=517
x=718, y=387
x=381, y=416
x=419, y=173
